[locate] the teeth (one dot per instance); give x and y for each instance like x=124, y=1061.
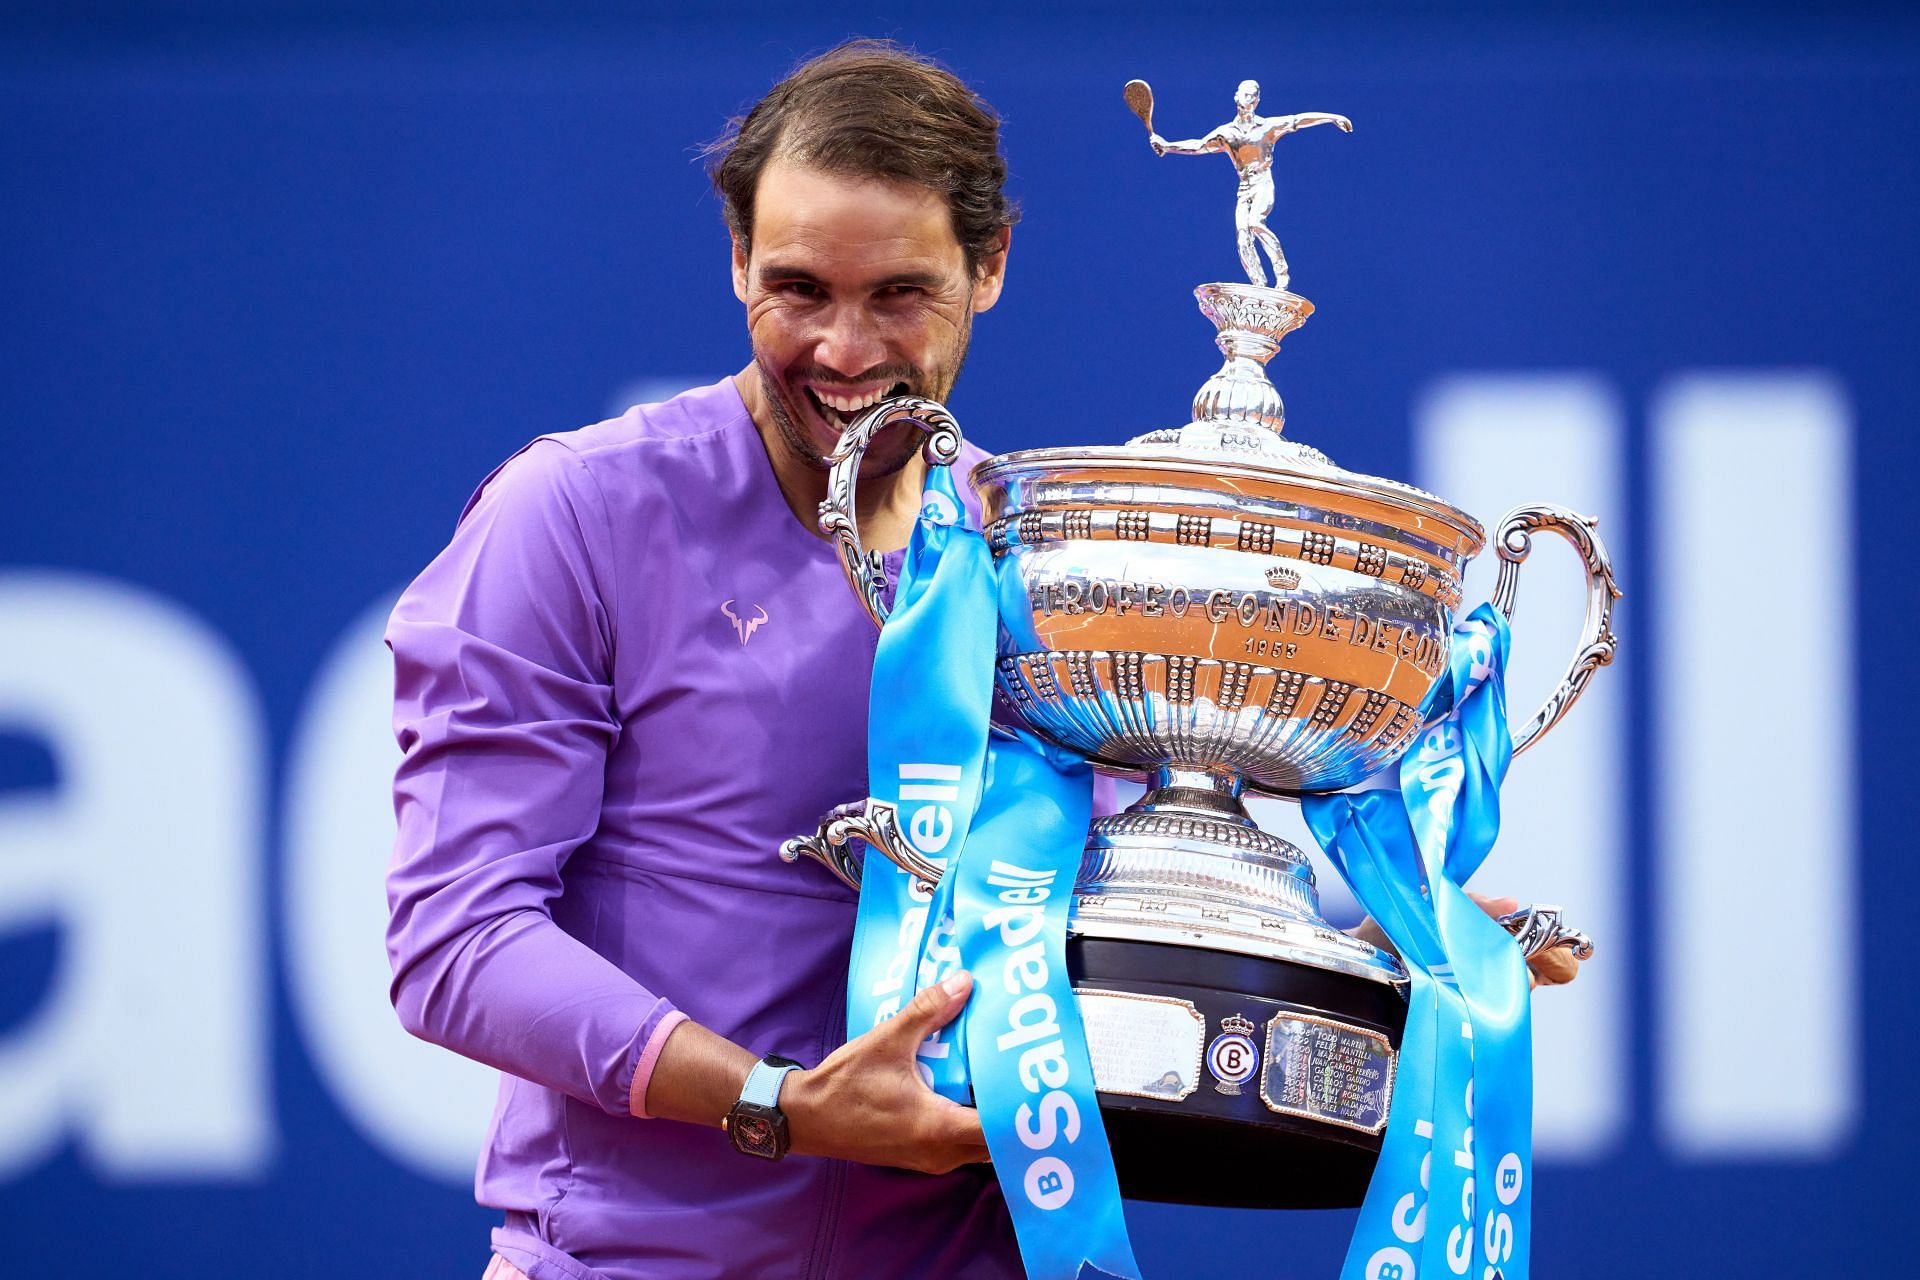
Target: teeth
x=849, y=404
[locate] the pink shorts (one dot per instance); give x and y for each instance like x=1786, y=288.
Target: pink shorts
x=501, y=1269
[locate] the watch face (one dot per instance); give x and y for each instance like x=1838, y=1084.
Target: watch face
x=754, y=1134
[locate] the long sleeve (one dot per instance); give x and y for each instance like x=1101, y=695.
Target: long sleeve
x=504, y=708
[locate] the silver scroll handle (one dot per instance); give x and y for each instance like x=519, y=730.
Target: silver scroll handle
x=871, y=821
x=1541, y=928
x=1514, y=541
x=838, y=519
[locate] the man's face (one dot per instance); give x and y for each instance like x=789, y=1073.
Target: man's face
x=856, y=290
x=1247, y=97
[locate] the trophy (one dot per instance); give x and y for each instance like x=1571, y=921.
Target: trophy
x=1221, y=611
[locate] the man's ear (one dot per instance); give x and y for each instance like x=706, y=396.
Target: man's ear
x=992, y=273
x=739, y=267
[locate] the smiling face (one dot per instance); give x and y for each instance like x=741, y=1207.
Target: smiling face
x=856, y=290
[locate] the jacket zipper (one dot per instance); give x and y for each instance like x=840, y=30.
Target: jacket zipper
x=826, y=1227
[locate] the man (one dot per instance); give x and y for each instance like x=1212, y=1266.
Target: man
x=1248, y=140
x=636, y=669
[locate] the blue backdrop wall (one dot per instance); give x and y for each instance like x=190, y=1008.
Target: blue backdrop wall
x=282, y=284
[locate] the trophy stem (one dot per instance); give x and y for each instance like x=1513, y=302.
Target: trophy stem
x=1187, y=865
x=1251, y=321
x=1205, y=792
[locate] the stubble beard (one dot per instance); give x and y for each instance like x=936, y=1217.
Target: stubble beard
x=881, y=461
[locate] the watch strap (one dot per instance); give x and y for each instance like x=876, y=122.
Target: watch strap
x=762, y=1088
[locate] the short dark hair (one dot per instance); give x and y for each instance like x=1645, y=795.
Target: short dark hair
x=874, y=109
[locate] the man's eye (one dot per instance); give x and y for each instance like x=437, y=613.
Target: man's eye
x=797, y=288
x=901, y=292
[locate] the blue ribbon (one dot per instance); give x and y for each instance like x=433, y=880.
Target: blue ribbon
x=1006, y=819
x=926, y=755
x=1452, y=1192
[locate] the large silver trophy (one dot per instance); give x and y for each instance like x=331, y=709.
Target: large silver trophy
x=1219, y=611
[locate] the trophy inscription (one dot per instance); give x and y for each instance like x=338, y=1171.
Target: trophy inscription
x=1146, y=1046
x=1328, y=1071
x=1219, y=611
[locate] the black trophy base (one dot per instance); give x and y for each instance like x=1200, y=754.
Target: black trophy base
x=1222, y=1144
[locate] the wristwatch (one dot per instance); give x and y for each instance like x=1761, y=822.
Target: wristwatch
x=756, y=1124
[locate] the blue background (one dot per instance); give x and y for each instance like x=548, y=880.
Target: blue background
x=282, y=283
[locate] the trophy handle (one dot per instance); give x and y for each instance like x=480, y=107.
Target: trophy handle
x=871, y=821
x=1542, y=928
x=837, y=519
x=1514, y=540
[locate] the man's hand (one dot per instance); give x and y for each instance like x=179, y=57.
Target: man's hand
x=1158, y=143
x=1550, y=968
x=866, y=1102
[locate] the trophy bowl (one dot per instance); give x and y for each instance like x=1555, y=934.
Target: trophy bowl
x=1202, y=612
x=1218, y=611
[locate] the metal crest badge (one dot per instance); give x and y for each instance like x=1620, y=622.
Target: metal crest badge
x=1233, y=1058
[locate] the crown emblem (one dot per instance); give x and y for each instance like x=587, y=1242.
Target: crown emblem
x=1281, y=576
x=1236, y=1023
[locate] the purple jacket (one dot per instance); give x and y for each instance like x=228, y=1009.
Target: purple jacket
x=630, y=676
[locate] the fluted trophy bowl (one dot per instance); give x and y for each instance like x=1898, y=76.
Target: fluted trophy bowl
x=1264, y=626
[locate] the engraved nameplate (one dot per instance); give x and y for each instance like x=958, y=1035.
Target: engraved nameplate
x=1144, y=1046
x=1328, y=1071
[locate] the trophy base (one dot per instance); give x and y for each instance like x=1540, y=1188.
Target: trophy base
x=1235, y=1080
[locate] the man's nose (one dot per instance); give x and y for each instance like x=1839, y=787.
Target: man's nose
x=849, y=342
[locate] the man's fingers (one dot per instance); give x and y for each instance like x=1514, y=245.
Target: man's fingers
x=1495, y=907
x=964, y=1135
x=932, y=1008
x=965, y=1126
x=1554, y=966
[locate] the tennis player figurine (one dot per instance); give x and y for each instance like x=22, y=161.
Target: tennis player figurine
x=1248, y=140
